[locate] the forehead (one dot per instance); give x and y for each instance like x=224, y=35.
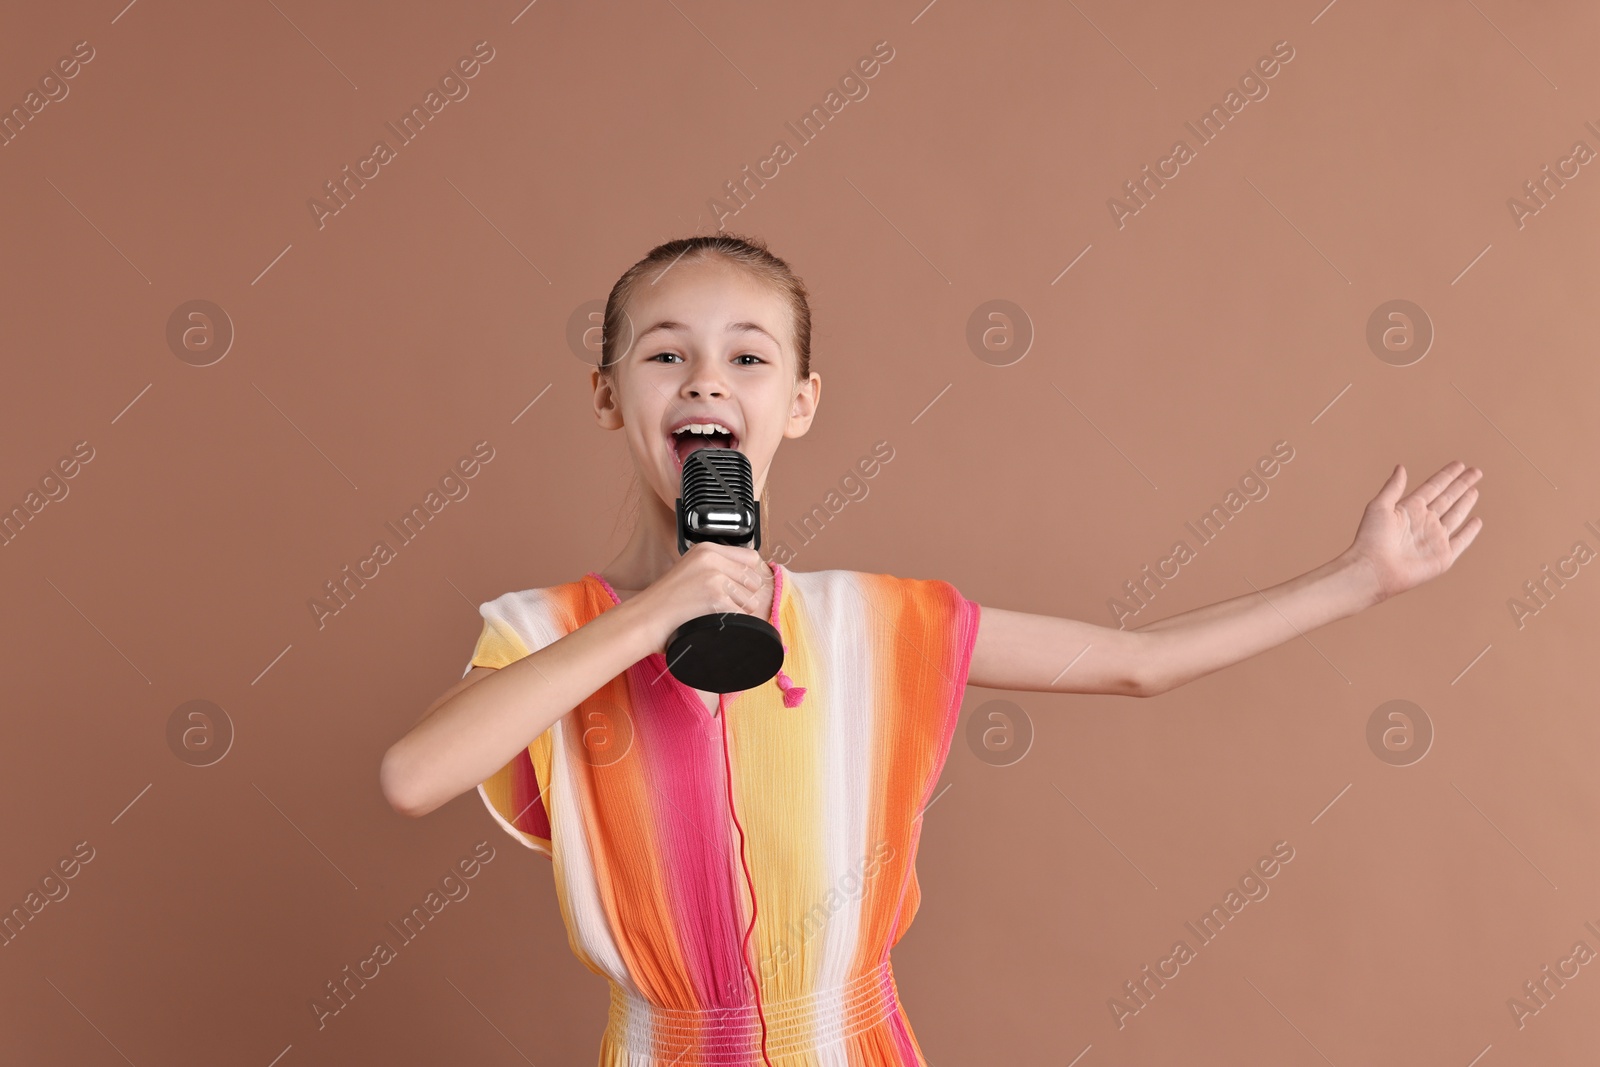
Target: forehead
x=703, y=298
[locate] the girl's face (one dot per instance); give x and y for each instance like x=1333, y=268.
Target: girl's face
x=711, y=344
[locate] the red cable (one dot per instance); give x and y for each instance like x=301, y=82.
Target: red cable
x=744, y=948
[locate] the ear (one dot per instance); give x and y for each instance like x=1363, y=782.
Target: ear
x=607, y=405
x=804, y=406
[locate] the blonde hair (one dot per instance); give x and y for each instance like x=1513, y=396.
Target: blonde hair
x=748, y=252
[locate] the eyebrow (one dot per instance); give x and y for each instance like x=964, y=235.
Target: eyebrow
x=732, y=327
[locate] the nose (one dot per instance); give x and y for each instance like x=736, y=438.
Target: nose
x=704, y=379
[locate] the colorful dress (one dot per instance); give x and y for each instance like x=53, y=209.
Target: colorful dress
x=829, y=766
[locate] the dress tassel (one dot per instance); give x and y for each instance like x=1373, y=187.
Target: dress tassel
x=792, y=694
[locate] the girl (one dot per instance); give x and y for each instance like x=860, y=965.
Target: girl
x=738, y=866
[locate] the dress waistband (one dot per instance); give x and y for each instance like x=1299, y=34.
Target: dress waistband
x=732, y=1036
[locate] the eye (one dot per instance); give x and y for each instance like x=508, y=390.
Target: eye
x=674, y=355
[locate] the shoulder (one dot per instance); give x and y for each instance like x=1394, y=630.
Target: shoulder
x=523, y=621
x=515, y=601
x=540, y=614
x=837, y=576
x=537, y=596
x=851, y=587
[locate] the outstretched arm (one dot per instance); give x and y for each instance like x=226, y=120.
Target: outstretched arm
x=1399, y=544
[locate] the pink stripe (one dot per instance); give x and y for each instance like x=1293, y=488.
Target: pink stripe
x=905, y=1045
x=681, y=766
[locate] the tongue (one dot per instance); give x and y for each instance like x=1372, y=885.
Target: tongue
x=694, y=442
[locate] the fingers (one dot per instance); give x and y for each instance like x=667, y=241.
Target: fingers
x=1393, y=487
x=741, y=582
x=739, y=593
x=1431, y=488
x=1457, y=514
x=1452, y=492
x=732, y=553
x=747, y=564
x=739, y=574
x=1463, y=538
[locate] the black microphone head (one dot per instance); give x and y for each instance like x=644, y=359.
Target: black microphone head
x=717, y=500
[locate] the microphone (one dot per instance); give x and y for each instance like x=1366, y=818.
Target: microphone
x=724, y=652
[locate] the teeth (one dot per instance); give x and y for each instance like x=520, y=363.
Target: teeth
x=704, y=428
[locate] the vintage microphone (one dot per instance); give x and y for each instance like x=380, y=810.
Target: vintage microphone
x=728, y=651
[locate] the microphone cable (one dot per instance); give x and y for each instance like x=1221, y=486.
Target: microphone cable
x=744, y=948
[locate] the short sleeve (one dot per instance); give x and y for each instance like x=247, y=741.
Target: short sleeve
x=935, y=630
x=514, y=626
x=938, y=631
x=957, y=618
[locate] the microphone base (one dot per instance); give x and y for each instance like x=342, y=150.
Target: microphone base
x=725, y=653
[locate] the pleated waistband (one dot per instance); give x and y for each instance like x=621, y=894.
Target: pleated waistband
x=732, y=1036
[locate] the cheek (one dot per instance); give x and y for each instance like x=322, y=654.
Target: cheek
x=650, y=449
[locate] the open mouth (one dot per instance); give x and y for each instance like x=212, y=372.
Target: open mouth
x=686, y=441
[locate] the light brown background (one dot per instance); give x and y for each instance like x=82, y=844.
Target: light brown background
x=1228, y=314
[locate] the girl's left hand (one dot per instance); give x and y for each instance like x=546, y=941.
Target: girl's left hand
x=1406, y=542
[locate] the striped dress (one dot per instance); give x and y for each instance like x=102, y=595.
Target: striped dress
x=828, y=767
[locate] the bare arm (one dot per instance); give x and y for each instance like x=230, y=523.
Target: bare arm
x=487, y=717
x=1191, y=645
x=1046, y=654
x=1054, y=655
x=1399, y=544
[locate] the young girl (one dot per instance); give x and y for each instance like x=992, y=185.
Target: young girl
x=738, y=866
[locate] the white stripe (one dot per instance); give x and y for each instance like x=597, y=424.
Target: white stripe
x=575, y=878
x=837, y=627
x=531, y=615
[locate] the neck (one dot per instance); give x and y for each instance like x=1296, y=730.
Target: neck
x=651, y=550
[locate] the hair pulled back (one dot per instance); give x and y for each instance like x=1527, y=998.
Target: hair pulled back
x=748, y=252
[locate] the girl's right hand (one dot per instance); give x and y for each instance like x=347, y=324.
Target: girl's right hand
x=706, y=580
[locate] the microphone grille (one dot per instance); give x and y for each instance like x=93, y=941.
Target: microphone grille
x=718, y=497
